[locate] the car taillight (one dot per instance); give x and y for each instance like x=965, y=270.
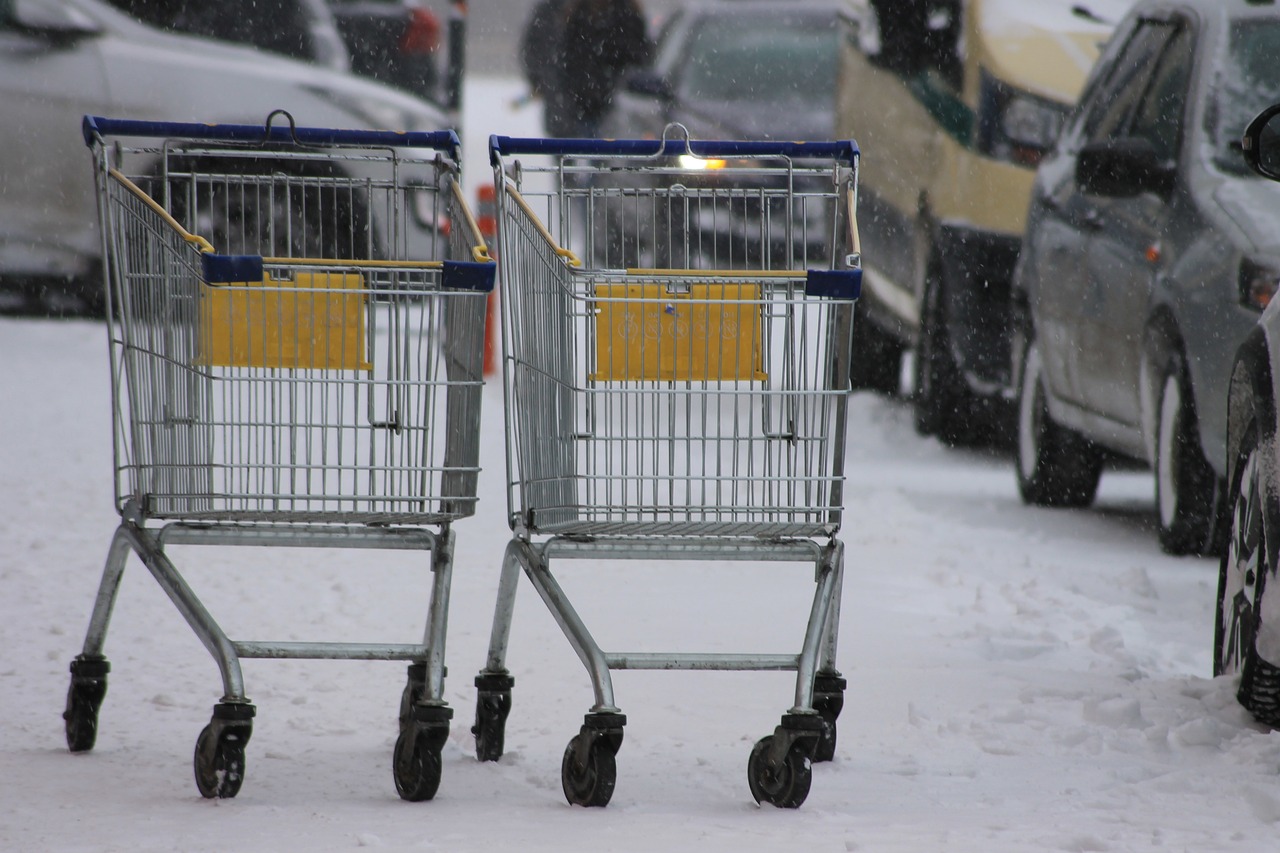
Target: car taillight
x=1258, y=282
x=422, y=35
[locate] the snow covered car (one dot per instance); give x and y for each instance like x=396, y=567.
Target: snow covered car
x=1246, y=636
x=62, y=59
x=1149, y=254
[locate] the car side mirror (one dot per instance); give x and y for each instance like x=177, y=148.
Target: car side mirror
x=649, y=84
x=1122, y=168
x=1261, y=143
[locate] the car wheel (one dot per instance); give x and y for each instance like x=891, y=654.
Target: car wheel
x=876, y=363
x=943, y=404
x=1055, y=466
x=1186, y=487
x=1248, y=563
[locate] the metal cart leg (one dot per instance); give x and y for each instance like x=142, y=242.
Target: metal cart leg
x=828, y=684
x=494, y=683
x=417, y=762
x=89, y=669
x=779, y=770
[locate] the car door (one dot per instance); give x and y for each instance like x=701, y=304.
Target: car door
x=50, y=76
x=1125, y=250
x=1067, y=305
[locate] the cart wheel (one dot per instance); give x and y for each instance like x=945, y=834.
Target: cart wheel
x=84, y=698
x=592, y=783
x=418, y=766
x=786, y=785
x=413, y=692
x=492, y=708
x=220, y=765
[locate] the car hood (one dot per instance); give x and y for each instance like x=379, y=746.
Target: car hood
x=787, y=120
x=1251, y=203
x=1043, y=48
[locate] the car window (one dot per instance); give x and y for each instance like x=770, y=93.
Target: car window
x=1113, y=101
x=278, y=27
x=1160, y=115
x=1247, y=81
x=757, y=57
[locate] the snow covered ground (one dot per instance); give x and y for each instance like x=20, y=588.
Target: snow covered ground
x=1019, y=679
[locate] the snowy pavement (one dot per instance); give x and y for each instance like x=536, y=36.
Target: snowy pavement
x=1020, y=679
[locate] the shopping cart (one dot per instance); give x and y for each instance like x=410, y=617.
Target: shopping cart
x=296, y=324
x=693, y=413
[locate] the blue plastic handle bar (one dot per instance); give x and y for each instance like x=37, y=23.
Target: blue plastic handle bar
x=96, y=127
x=846, y=150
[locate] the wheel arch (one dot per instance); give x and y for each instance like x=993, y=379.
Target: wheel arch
x=1250, y=393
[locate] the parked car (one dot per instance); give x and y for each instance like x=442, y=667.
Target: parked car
x=731, y=69
x=61, y=59
x=1246, y=636
x=1146, y=262
x=392, y=41
x=954, y=103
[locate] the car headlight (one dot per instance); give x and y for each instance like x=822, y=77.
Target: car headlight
x=1258, y=280
x=1015, y=126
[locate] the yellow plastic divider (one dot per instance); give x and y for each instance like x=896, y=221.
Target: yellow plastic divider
x=313, y=321
x=645, y=331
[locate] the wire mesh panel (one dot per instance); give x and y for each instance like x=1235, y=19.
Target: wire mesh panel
x=704, y=398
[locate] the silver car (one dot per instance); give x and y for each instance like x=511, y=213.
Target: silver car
x=62, y=59
x=1149, y=253
x=1246, y=641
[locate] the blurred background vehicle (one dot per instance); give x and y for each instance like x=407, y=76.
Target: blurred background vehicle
x=732, y=69
x=61, y=59
x=392, y=41
x=954, y=103
x=397, y=42
x=1150, y=252
x=1246, y=637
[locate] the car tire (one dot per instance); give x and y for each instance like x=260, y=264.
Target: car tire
x=876, y=363
x=1248, y=565
x=1055, y=466
x=943, y=403
x=1186, y=487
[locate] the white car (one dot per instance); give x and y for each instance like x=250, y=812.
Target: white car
x=1246, y=639
x=63, y=59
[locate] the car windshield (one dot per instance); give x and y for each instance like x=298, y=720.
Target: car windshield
x=768, y=58
x=1247, y=83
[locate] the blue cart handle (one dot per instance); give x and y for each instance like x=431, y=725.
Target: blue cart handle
x=846, y=150
x=97, y=127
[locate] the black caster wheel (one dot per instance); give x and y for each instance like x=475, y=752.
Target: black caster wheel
x=219, y=762
x=828, y=701
x=84, y=698
x=417, y=765
x=786, y=784
x=492, y=708
x=589, y=782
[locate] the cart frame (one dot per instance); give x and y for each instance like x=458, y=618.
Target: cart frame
x=266, y=399
x=582, y=487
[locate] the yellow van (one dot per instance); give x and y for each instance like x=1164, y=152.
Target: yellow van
x=953, y=103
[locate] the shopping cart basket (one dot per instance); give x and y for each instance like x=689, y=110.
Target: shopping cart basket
x=676, y=413
x=296, y=324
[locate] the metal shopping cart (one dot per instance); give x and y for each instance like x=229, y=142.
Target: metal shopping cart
x=296, y=322
x=679, y=396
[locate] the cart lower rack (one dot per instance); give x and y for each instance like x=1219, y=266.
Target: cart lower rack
x=296, y=320
x=677, y=319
